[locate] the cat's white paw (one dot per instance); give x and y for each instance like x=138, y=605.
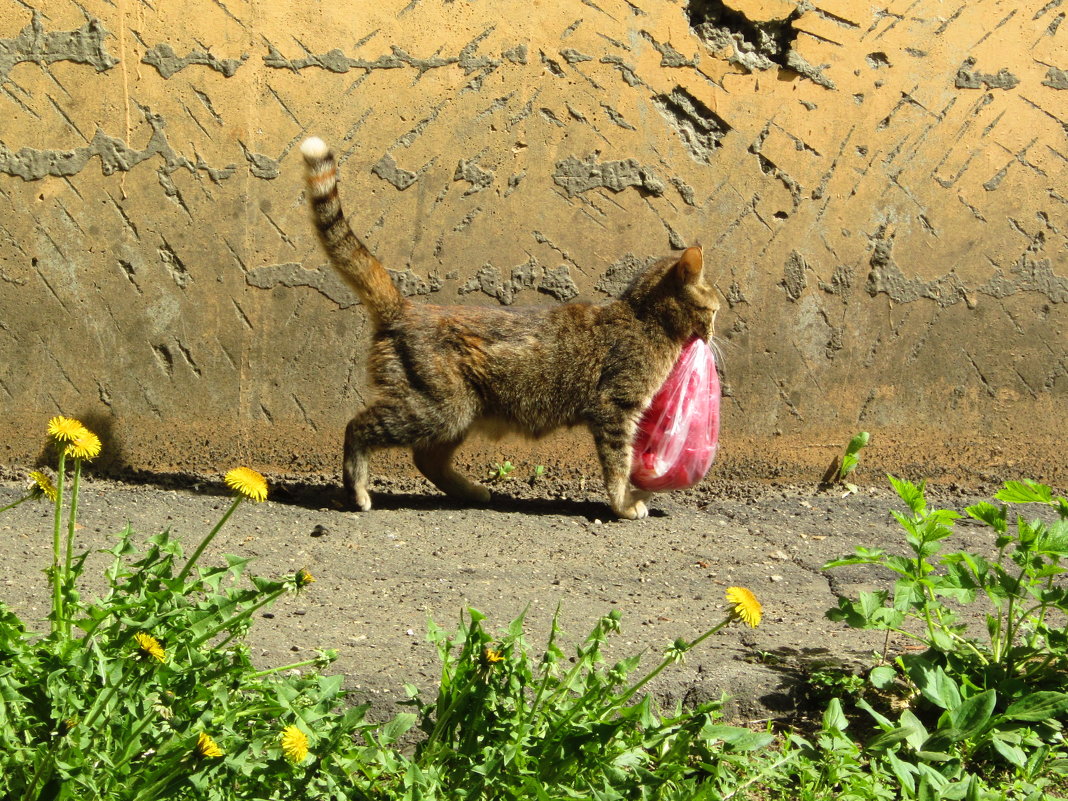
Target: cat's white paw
x=363, y=500
x=472, y=492
x=635, y=511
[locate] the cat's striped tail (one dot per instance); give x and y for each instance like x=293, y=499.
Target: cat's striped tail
x=361, y=270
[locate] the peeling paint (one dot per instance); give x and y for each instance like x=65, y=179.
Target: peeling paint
x=167, y=62
x=326, y=282
x=34, y=44
x=970, y=78
x=386, y=169
x=31, y=164
x=581, y=176
x=794, y=280
x=1027, y=275
x=699, y=127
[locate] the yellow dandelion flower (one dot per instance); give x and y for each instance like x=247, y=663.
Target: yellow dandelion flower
x=42, y=486
x=745, y=605
x=303, y=577
x=150, y=646
x=66, y=429
x=85, y=447
x=248, y=482
x=207, y=747
x=491, y=655
x=294, y=744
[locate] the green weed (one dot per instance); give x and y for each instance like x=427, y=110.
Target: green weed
x=976, y=707
x=149, y=692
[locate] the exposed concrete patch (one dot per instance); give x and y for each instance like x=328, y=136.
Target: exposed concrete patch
x=472, y=172
x=1056, y=79
x=558, y=283
x=529, y=275
x=841, y=280
x=581, y=176
x=620, y=273
x=699, y=127
x=1027, y=275
x=970, y=78
x=31, y=164
x=261, y=165
x=336, y=61
x=291, y=274
x=164, y=59
x=327, y=282
x=34, y=44
x=669, y=56
x=756, y=45
x=386, y=169
x=794, y=280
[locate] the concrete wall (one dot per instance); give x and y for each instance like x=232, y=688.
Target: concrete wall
x=880, y=190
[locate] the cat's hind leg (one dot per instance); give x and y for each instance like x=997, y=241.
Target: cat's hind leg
x=434, y=461
x=382, y=424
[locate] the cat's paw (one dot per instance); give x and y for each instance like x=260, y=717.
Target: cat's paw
x=362, y=500
x=634, y=511
x=473, y=493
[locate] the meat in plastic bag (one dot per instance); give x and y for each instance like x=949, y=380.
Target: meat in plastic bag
x=678, y=435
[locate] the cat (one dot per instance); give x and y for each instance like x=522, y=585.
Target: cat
x=438, y=373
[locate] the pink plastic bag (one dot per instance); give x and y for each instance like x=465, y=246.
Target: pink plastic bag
x=678, y=435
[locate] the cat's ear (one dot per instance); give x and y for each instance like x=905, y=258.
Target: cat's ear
x=690, y=264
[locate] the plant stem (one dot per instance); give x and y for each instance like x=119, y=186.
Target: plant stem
x=238, y=617
x=667, y=660
x=211, y=535
x=767, y=771
x=57, y=577
x=68, y=556
x=23, y=499
x=261, y=673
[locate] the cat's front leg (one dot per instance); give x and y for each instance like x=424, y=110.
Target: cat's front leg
x=613, y=442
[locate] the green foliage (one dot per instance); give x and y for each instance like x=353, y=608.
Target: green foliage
x=502, y=471
x=977, y=706
x=851, y=457
x=149, y=692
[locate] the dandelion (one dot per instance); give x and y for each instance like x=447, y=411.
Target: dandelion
x=745, y=605
x=487, y=658
x=207, y=747
x=150, y=646
x=247, y=482
x=41, y=486
x=303, y=578
x=66, y=429
x=294, y=744
x=85, y=447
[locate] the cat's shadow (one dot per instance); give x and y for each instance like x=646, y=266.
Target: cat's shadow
x=317, y=497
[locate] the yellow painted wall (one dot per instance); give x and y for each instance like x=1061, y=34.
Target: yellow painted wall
x=880, y=191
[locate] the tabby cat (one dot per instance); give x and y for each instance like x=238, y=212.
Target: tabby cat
x=440, y=372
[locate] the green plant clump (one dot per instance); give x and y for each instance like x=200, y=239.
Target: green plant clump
x=973, y=707
x=150, y=693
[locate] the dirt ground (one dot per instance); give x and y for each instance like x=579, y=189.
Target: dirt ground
x=538, y=547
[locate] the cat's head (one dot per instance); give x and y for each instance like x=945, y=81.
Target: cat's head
x=673, y=293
